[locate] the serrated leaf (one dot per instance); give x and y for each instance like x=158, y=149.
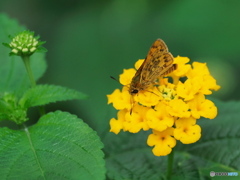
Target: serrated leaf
x=218, y=150
x=12, y=71
x=128, y=157
x=59, y=146
x=220, y=142
x=45, y=94
x=185, y=168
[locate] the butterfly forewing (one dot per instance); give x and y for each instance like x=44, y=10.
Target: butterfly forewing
x=158, y=62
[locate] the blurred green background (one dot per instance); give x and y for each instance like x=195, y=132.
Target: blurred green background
x=88, y=41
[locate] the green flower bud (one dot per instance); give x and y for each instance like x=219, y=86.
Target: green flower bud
x=25, y=44
x=11, y=109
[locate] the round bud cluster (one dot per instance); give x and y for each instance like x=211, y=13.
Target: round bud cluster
x=25, y=44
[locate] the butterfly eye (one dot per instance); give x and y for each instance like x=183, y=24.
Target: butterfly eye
x=135, y=91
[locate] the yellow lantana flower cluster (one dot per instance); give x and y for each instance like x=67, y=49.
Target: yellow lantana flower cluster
x=170, y=107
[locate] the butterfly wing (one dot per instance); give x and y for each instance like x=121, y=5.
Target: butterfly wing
x=157, y=62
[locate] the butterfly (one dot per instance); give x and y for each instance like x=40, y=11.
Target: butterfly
x=158, y=63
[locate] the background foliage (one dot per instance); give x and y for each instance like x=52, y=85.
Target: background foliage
x=88, y=41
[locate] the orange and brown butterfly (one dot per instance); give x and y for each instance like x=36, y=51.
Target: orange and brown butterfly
x=158, y=63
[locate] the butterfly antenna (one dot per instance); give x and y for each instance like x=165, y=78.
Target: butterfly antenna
x=114, y=79
x=128, y=85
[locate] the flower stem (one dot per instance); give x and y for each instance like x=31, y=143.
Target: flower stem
x=26, y=61
x=170, y=164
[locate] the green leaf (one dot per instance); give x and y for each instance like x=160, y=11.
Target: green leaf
x=220, y=142
x=218, y=150
x=12, y=71
x=45, y=94
x=131, y=159
x=59, y=146
x=128, y=157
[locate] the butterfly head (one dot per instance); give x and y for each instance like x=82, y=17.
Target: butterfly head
x=135, y=87
x=134, y=91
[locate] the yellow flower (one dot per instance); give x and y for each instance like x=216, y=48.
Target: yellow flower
x=202, y=107
x=183, y=68
x=158, y=118
x=178, y=108
x=201, y=74
x=135, y=121
x=120, y=99
x=126, y=77
x=148, y=98
x=138, y=63
x=187, y=131
x=188, y=89
x=199, y=69
x=117, y=124
x=163, y=142
x=170, y=107
x=167, y=91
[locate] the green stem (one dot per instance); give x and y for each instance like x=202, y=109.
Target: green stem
x=26, y=61
x=170, y=164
